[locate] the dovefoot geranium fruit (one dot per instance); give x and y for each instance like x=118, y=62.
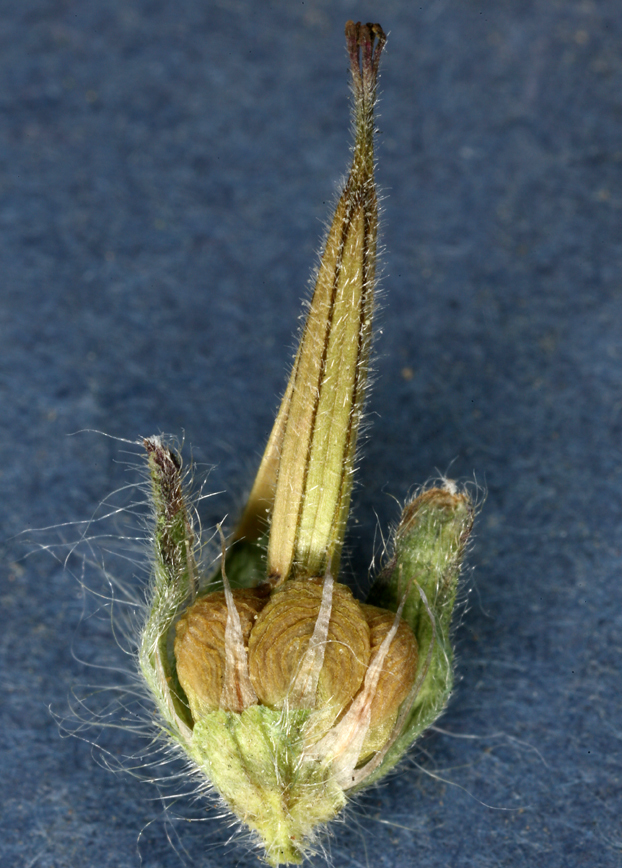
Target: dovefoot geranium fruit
x=285, y=691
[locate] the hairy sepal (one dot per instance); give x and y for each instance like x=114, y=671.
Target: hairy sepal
x=173, y=583
x=422, y=576
x=255, y=760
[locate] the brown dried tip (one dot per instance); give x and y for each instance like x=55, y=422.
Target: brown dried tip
x=364, y=53
x=167, y=466
x=174, y=534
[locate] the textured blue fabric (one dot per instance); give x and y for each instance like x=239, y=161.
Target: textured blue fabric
x=165, y=171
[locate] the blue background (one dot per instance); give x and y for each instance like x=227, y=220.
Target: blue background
x=166, y=168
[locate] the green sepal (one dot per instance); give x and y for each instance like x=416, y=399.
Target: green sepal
x=173, y=584
x=254, y=759
x=428, y=550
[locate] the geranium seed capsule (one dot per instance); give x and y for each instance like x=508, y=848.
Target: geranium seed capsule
x=286, y=692
x=306, y=474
